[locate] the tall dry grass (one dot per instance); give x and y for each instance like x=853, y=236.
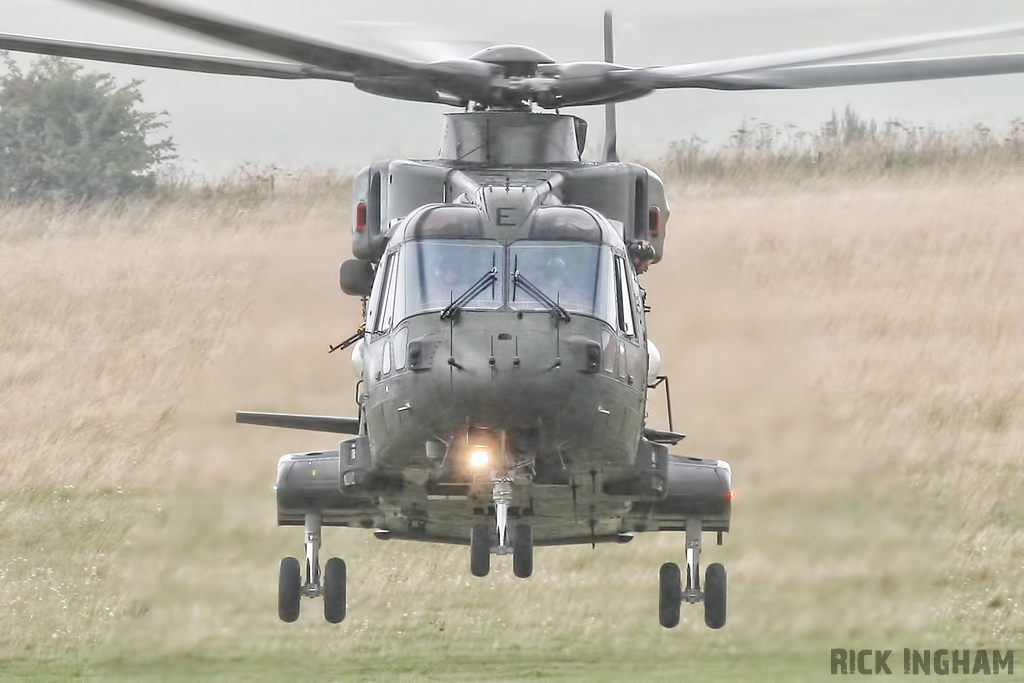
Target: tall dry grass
x=113, y=312
x=861, y=341
x=851, y=344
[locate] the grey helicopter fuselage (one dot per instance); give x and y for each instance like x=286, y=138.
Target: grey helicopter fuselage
x=564, y=384
x=545, y=368
x=504, y=366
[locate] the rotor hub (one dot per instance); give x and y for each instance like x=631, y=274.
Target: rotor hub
x=518, y=61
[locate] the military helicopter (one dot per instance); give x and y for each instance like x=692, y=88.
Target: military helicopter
x=504, y=358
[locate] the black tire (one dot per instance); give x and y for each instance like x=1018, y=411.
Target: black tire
x=714, y=596
x=670, y=595
x=335, y=590
x=289, y=590
x=522, y=551
x=480, y=550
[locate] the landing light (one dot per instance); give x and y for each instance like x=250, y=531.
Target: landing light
x=479, y=458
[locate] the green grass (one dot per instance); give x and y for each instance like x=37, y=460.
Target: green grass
x=178, y=587
x=459, y=667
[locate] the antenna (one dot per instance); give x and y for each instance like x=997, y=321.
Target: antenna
x=611, y=135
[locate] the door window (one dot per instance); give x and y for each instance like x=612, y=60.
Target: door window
x=624, y=300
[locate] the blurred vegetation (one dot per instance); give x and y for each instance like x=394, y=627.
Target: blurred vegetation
x=845, y=146
x=250, y=184
x=70, y=134
x=854, y=353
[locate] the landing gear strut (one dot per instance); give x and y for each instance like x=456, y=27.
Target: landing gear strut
x=502, y=499
x=331, y=585
x=312, y=587
x=521, y=546
x=672, y=594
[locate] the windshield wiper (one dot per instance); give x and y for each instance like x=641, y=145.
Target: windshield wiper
x=534, y=290
x=480, y=285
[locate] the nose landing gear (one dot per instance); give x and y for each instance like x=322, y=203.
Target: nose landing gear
x=521, y=547
x=331, y=585
x=502, y=499
x=672, y=594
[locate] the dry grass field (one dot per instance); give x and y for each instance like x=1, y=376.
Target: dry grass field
x=851, y=346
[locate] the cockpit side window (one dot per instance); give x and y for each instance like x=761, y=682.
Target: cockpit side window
x=373, y=305
x=439, y=272
x=384, y=314
x=624, y=300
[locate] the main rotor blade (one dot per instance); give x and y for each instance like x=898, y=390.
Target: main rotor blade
x=446, y=82
x=348, y=60
x=165, y=60
x=829, y=75
x=419, y=43
x=684, y=75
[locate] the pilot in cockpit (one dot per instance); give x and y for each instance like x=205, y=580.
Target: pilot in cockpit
x=556, y=273
x=447, y=272
x=560, y=283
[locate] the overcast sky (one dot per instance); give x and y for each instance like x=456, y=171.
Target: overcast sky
x=220, y=121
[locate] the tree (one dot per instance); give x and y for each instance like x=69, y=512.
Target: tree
x=72, y=134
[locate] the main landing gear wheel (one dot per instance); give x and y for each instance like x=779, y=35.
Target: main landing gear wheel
x=714, y=596
x=670, y=595
x=334, y=590
x=480, y=550
x=329, y=584
x=289, y=590
x=522, y=551
x=672, y=592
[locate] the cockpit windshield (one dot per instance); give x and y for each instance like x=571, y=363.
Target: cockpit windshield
x=572, y=274
x=440, y=272
x=445, y=265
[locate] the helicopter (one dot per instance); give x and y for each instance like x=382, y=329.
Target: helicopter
x=504, y=355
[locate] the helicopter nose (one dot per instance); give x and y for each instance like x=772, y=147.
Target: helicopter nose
x=512, y=376
x=521, y=374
